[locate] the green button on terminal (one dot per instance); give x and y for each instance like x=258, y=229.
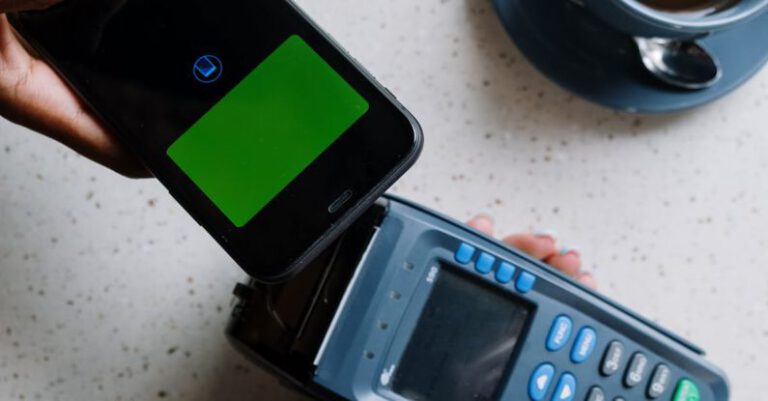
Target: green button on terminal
x=687, y=391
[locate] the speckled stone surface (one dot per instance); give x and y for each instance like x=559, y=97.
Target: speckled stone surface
x=108, y=291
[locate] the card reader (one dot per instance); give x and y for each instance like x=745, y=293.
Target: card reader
x=412, y=306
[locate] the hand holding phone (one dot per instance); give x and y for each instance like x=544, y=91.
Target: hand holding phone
x=33, y=95
x=267, y=132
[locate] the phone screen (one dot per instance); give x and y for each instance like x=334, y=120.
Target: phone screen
x=304, y=106
x=251, y=117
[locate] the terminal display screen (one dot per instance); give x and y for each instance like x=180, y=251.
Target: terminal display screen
x=463, y=343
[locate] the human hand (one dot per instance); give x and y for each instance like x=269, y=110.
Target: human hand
x=543, y=247
x=33, y=95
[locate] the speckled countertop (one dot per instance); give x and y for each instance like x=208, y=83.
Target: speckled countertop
x=108, y=291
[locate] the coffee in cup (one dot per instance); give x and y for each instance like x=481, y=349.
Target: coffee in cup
x=704, y=7
x=674, y=19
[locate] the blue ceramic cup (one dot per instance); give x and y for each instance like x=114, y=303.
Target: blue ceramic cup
x=637, y=19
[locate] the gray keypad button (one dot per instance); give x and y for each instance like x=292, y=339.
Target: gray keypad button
x=619, y=399
x=636, y=371
x=612, y=359
x=659, y=381
x=596, y=394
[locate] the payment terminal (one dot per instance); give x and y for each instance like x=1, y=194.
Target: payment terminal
x=410, y=305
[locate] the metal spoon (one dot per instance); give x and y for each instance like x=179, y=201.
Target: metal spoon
x=684, y=64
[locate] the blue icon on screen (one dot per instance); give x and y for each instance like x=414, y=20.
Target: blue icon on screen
x=208, y=69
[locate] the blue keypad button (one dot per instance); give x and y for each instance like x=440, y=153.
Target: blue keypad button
x=559, y=333
x=505, y=272
x=465, y=253
x=525, y=282
x=540, y=381
x=484, y=263
x=584, y=345
x=566, y=388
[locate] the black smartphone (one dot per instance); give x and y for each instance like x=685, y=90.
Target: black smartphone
x=268, y=133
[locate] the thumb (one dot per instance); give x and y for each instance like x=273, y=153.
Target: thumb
x=33, y=95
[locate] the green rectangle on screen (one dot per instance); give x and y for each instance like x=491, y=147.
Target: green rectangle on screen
x=267, y=130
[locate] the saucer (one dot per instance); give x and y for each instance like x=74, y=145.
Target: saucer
x=588, y=57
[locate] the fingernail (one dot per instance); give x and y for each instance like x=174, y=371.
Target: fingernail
x=551, y=234
x=570, y=249
x=588, y=280
x=486, y=215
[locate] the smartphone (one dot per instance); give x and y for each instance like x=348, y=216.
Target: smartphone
x=267, y=132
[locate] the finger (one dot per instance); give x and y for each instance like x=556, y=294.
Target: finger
x=33, y=95
x=22, y=5
x=588, y=280
x=482, y=223
x=540, y=247
x=567, y=261
x=64, y=118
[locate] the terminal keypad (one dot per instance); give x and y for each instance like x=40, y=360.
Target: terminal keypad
x=549, y=382
x=636, y=370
